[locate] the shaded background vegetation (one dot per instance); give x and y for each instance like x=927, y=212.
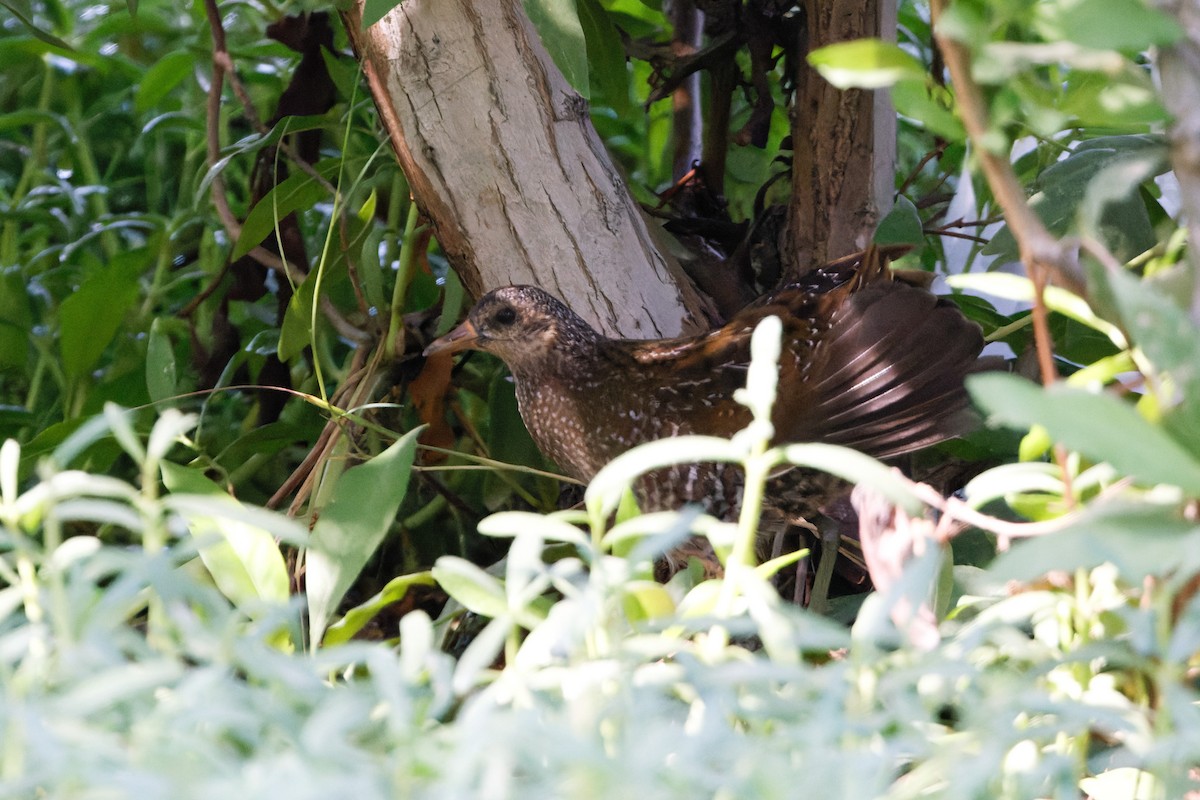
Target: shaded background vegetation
x=312, y=295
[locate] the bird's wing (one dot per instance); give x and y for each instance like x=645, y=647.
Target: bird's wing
x=887, y=376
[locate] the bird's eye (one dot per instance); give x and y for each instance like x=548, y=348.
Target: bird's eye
x=505, y=316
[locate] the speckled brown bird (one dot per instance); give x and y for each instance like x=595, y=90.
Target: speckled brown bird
x=868, y=361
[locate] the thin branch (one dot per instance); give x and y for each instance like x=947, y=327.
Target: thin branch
x=936, y=152
x=1043, y=255
x=1039, y=249
x=721, y=49
x=955, y=235
x=223, y=65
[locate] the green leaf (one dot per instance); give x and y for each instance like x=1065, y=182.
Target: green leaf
x=90, y=317
x=244, y=560
x=477, y=590
x=160, y=363
x=1123, y=223
x=854, y=467
x=549, y=527
x=902, y=225
x=930, y=105
x=296, y=192
x=1018, y=287
x=646, y=600
x=163, y=76
x=865, y=64
x=357, y=618
x=1157, y=325
x=16, y=321
x=370, y=270
x=1139, y=540
x=558, y=25
x=296, y=332
x=1099, y=426
x=352, y=525
x=375, y=10
x=21, y=12
x=608, y=72
x=1129, y=25
x=452, y=303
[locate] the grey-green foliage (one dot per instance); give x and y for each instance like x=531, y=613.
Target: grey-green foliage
x=127, y=673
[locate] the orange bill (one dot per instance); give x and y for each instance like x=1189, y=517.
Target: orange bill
x=461, y=338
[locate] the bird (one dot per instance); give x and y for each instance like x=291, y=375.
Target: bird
x=869, y=361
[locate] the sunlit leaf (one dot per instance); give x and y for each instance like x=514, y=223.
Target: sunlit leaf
x=357, y=618
x=352, y=525
x=864, y=64
x=160, y=362
x=558, y=24
x=1098, y=425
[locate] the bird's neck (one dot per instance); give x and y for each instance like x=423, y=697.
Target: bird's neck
x=562, y=401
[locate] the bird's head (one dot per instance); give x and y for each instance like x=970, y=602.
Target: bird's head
x=522, y=325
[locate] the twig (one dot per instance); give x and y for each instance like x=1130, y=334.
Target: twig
x=955, y=235
x=222, y=65
x=1039, y=249
x=1043, y=255
x=936, y=152
x=956, y=509
x=721, y=49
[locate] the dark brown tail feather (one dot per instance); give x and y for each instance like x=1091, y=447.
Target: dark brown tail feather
x=897, y=359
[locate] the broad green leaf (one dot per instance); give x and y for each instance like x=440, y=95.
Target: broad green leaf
x=351, y=526
x=1018, y=287
x=854, y=467
x=375, y=10
x=1138, y=540
x=357, y=618
x=244, y=560
x=1123, y=223
x=296, y=192
x=558, y=25
x=930, y=105
x=1128, y=99
x=90, y=317
x=608, y=73
x=370, y=269
x=475, y=589
x=160, y=363
x=902, y=225
x=1098, y=425
x=296, y=332
x=16, y=321
x=646, y=600
x=163, y=76
x=549, y=527
x=1130, y=25
x=1158, y=326
x=865, y=64
x=452, y=302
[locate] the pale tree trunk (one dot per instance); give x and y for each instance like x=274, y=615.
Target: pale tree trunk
x=845, y=143
x=1179, y=68
x=502, y=157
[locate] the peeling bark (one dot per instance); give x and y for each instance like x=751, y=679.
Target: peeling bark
x=845, y=143
x=1179, y=66
x=502, y=157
